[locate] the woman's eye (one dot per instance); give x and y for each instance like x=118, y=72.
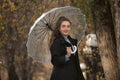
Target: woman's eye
x=68, y=26
x=63, y=26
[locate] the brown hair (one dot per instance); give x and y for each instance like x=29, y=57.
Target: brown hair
x=56, y=31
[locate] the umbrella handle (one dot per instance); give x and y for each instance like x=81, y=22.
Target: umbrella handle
x=74, y=49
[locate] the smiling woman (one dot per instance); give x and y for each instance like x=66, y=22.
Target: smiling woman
x=65, y=63
x=65, y=28
x=62, y=47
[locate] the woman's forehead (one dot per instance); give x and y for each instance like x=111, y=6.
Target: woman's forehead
x=65, y=23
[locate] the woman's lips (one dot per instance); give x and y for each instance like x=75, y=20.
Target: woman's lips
x=66, y=31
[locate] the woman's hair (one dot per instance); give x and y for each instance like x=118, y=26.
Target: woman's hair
x=56, y=31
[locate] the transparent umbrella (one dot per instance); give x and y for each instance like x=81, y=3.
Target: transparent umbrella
x=40, y=33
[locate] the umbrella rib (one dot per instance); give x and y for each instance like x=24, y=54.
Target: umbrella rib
x=49, y=18
x=47, y=23
x=53, y=17
x=56, y=15
x=42, y=28
x=44, y=21
x=43, y=36
x=42, y=33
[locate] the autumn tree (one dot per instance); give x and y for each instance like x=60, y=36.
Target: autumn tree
x=117, y=27
x=105, y=31
x=16, y=18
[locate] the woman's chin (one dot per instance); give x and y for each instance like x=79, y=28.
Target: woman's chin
x=65, y=34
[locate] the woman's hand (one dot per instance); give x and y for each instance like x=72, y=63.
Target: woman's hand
x=69, y=50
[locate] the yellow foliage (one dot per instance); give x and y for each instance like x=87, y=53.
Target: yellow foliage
x=14, y=38
x=2, y=28
x=4, y=5
x=33, y=62
x=12, y=5
x=0, y=16
x=18, y=58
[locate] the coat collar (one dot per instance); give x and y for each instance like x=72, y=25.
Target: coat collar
x=63, y=40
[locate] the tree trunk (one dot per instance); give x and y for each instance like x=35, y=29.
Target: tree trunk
x=117, y=27
x=106, y=38
x=3, y=68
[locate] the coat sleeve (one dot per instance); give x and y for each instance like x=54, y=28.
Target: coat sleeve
x=56, y=58
x=80, y=77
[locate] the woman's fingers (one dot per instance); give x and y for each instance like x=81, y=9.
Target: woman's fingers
x=69, y=51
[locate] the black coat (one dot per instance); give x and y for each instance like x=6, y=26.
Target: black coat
x=64, y=70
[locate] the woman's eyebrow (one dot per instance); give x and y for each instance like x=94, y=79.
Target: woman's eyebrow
x=65, y=25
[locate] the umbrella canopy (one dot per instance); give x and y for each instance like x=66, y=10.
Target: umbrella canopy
x=40, y=32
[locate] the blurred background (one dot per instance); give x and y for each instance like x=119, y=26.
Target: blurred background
x=16, y=18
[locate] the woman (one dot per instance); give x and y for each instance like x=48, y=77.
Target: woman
x=64, y=55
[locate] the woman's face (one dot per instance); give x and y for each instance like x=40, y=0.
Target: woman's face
x=65, y=28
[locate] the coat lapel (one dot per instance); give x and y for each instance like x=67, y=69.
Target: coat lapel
x=64, y=42
x=71, y=40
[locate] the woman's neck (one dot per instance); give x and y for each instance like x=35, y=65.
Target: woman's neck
x=65, y=36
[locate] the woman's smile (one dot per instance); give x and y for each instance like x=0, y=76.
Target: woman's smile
x=65, y=28
x=66, y=31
